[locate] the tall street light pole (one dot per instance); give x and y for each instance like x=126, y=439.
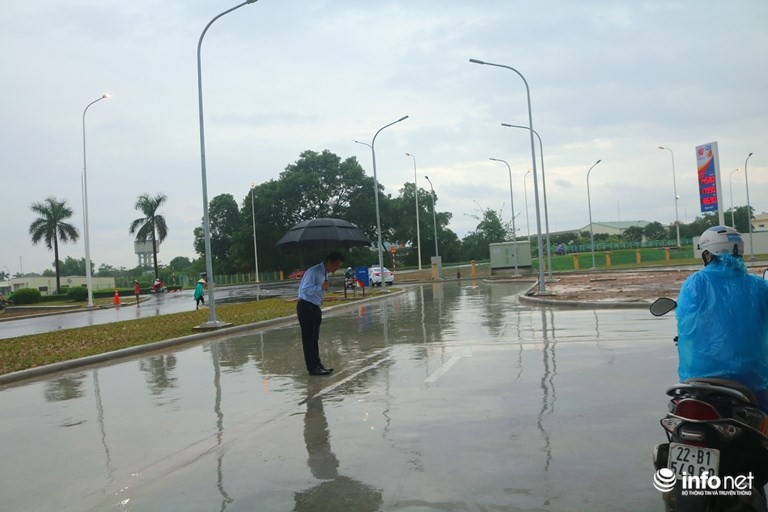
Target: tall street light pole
x=542, y=284
x=434, y=215
x=86, y=237
x=589, y=203
x=730, y=186
x=749, y=208
x=416, y=194
x=512, y=207
x=255, y=250
x=212, y=322
x=525, y=191
x=372, y=145
x=674, y=189
x=544, y=193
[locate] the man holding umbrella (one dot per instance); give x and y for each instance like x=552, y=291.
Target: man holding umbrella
x=311, y=293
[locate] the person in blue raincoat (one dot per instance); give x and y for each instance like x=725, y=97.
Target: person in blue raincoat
x=722, y=317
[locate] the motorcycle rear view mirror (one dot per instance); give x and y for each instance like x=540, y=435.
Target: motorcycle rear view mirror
x=662, y=306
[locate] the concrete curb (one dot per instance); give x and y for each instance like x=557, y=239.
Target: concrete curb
x=528, y=298
x=38, y=371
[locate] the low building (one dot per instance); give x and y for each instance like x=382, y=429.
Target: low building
x=760, y=222
x=606, y=228
x=47, y=284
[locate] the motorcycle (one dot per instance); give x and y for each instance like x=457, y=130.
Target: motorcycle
x=158, y=288
x=716, y=457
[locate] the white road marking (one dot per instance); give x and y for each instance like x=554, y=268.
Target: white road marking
x=467, y=352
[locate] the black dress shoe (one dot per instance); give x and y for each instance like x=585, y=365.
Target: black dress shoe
x=326, y=369
x=319, y=371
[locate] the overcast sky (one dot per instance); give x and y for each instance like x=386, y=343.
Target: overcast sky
x=609, y=80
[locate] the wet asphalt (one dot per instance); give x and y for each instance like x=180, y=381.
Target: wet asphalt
x=450, y=397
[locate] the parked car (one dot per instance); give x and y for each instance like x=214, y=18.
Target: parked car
x=374, y=276
x=297, y=274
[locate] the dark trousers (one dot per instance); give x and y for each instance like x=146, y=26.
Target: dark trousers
x=310, y=317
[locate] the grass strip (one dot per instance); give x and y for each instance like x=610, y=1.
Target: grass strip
x=23, y=352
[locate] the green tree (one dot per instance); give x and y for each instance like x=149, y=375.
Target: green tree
x=742, y=215
x=490, y=229
x=73, y=267
x=51, y=226
x=654, y=231
x=224, y=219
x=404, y=222
x=316, y=185
x=633, y=234
x=180, y=263
x=152, y=226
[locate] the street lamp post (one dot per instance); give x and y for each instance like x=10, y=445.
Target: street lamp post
x=542, y=284
x=416, y=193
x=674, y=189
x=525, y=191
x=372, y=145
x=86, y=237
x=749, y=208
x=212, y=322
x=544, y=193
x=512, y=207
x=255, y=250
x=730, y=186
x=589, y=203
x=434, y=215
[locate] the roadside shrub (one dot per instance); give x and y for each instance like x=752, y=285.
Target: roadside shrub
x=26, y=296
x=54, y=298
x=78, y=294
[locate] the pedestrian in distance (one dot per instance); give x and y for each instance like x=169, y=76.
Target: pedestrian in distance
x=136, y=290
x=312, y=290
x=200, y=288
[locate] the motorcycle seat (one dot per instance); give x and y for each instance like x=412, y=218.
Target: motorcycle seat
x=703, y=382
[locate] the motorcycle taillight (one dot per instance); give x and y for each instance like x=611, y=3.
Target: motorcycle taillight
x=695, y=410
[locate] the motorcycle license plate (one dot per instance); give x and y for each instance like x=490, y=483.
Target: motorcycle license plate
x=685, y=459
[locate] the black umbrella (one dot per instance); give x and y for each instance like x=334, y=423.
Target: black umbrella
x=324, y=234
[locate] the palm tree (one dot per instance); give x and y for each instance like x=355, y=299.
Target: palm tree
x=50, y=227
x=152, y=226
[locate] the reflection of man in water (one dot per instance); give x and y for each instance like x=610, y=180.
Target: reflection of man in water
x=335, y=493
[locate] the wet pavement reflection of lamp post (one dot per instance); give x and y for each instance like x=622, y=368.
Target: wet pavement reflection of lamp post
x=542, y=284
x=416, y=194
x=512, y=207
x=86, y=237
x=730, y=186
x=674, y=189
x=589, y=203
x=434, y=215
x=749, y=208
x=372, y=145
x=212, y=322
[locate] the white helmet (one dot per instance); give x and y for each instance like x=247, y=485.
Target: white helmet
x=722, y=240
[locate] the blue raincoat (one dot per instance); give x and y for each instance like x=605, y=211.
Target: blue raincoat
x=722, y=324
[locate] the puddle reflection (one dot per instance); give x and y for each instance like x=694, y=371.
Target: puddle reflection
x=335, y=491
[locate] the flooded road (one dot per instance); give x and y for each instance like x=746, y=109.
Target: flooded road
x=446, y=397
